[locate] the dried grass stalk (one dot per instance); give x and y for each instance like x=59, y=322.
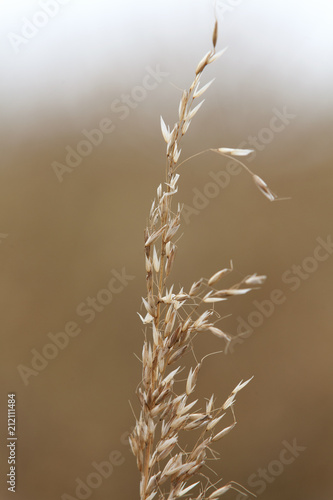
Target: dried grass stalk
x=173, y=319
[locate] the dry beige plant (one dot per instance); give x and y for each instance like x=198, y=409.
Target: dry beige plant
x=172, y=319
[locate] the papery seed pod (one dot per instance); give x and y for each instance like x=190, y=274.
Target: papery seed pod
x=165, y=429
x=186, y=468
x=156, y=261
x=139, y=460
x=153, y=481
x=195, y=288
x=182, y=105
x=151, y=427
x=134, y=445
x=234, y=152
x=152, y=209
x=192, y=379
x=187, y=408
x=200, y=447
x=262, y=186
x=158, y=409
x=171, y=376
x=156, y=234
x=183, y=491
x=170, y=324
x=196, y=424
x=198, y=92
x=161, y=362
x=163, y=206
x=169, y=313
x=241, y=385
x=203, y=62
x=173, y=182
x=215, y=34
x=171, y=471
x=178, y=422
x=201, y=322
x=168, y=247
x=219, y=492
x=149, y=265
x=147, y=319
x=164, y=393
x=214, y=422
x=210, y=404
x=223, y=433
x=176, y=156
x=211, y=300
x=185, y=126
x=152, y=495
x=174, y=337
x=149, y=308
x=195, y=110
x=216, y=56
x=156, y=336
x=228, y=402
x=197, y=416
x=144, y=354
x=171, y=232
x=194, y=469
x=219, y=333
x=186, y=325
x=165, y=453
x=166, y=443
x=169, y=262
x=232, y=292
x=177, y=354
x=177, y=402
x=255, y=280
x=165, y=131
x=217, y=276
x=155, y=219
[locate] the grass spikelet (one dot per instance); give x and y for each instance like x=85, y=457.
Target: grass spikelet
x=172, y=319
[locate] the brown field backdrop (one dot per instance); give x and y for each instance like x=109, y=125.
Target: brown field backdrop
x=61, y=241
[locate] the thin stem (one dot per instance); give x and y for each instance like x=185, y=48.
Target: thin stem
x=193, y=156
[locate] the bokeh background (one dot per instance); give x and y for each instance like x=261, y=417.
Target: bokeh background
x=60, y=242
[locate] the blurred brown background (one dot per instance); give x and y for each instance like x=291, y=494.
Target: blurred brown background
x=60, y=242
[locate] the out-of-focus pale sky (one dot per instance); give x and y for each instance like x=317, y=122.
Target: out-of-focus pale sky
x=55, y=53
